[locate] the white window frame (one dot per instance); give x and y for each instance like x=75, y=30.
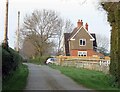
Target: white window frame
x=82, y=42
x=82, y=53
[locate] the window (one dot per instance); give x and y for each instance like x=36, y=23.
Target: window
x=82, y=53
x=82, y=42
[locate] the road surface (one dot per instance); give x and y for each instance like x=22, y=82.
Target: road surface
x=46, y=78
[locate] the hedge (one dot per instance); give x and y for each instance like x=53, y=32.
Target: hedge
x=39, y=60
x=10, y=61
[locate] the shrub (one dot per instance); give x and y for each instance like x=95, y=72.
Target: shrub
x=16, y=57
x=10, y=61
x=39, y=60
x=6, y=63
x=17, y=81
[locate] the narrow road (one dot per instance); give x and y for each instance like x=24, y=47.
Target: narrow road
x=46, y=78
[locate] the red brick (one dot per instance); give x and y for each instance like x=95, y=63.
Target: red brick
x=90, y=52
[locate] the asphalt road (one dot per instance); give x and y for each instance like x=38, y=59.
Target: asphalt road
x=46, y=78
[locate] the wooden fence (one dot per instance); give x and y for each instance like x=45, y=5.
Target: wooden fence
x=85, y=62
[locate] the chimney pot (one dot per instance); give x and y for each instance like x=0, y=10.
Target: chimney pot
x=79, y=23
x=86, y=26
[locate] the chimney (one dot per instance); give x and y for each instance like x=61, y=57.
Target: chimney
x=79, y=23
x=86, y=26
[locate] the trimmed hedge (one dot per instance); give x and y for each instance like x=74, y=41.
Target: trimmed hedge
x=10, y=61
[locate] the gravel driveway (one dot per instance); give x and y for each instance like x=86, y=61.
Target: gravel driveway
x=46, y=78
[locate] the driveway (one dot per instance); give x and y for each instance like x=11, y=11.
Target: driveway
x=46, y=78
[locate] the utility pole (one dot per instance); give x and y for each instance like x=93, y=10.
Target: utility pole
x=6, y=26
x=17, y=48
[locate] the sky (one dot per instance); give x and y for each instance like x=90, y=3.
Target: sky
x=87, y=10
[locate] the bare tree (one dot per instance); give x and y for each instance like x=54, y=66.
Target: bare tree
x=65, y=27
x=41, y=26
x=102, y=43
x=31, y=47
x=68, y=27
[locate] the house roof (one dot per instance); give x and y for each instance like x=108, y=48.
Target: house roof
x=66, y=37
x=94, y=42
x=75, y=32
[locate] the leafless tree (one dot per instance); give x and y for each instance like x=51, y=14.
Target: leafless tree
x=68, y=27
x=31, y=47
x=65, y=27
x=102, y=43
x=40, y=26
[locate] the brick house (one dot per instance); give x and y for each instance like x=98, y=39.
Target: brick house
x=80, y=42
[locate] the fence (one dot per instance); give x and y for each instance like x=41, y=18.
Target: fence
x=85, y=62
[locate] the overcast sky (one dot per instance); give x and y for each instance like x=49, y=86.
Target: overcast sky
x=68, y=9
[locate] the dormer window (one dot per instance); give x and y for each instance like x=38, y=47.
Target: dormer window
x=82, y=42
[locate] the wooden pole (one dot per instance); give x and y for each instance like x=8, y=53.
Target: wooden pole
x=6, y=26
x=17, y=48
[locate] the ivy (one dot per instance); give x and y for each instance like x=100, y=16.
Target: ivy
x=113, y=10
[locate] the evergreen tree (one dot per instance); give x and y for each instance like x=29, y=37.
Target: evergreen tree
x=113, y=10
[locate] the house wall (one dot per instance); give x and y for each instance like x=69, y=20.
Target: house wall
x=74, y=44
x=90, y=52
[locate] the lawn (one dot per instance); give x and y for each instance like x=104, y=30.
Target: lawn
x=89, y=78
x=16, y=81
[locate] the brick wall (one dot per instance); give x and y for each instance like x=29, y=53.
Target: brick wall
x=90, y=52
x=74, y=53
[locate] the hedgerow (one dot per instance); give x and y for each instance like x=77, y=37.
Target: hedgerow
x=10, y=61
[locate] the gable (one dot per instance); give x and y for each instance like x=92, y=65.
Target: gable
x=73, y=32
x=83, y=31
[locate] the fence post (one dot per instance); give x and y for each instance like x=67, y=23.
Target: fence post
x=107, y=63
x=100, y=62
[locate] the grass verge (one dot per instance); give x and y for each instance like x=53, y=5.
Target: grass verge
x=89, y=78
x=16, y=81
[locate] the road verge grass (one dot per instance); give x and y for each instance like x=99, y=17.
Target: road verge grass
x=89, y=78
x=17, y=80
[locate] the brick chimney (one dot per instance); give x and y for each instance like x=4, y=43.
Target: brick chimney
x=86, y=26
x=79, y=23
